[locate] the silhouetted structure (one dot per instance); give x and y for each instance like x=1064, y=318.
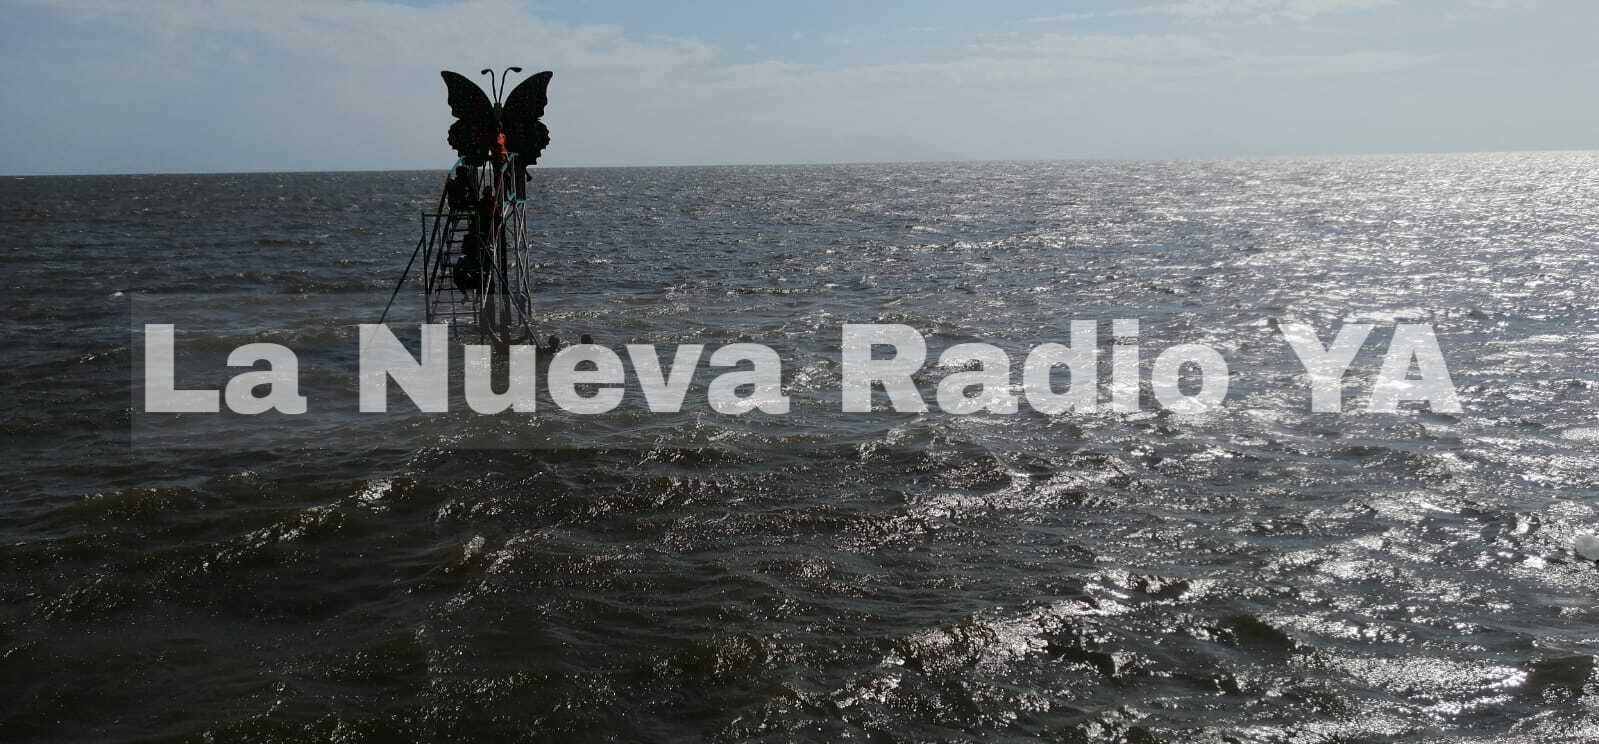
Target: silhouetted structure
x=474, y=244
x=487, y=130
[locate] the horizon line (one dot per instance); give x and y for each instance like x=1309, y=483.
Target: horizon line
x=796, y=164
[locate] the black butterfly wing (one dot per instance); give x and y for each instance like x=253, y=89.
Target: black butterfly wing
x=525, y=135
x=530, y=96
x=473, y=133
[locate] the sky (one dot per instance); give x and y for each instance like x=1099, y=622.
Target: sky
x=144, y=86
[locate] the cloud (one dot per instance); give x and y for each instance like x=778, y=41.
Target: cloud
x=1251, y=10
x=1505, y=5
x=371, y=33
x=1267, y=9
x=296, y=84
x=279, y=84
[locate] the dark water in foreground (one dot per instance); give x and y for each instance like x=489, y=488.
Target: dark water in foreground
x=1259, y=573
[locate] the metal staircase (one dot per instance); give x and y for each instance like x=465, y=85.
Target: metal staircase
x=498, y=308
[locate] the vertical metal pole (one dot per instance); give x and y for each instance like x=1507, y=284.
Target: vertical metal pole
x=427, y=270
x=502, y=323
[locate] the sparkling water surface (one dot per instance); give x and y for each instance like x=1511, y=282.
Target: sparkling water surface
x=1258, y=573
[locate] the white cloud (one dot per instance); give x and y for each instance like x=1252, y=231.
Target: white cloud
x=1267, y=9
x=1251, y=10
x=290, y=84
x=371, y=33
x=1505, y=5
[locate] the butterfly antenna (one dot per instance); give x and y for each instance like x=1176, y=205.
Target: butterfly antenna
x=490, y=72
x=502, y=80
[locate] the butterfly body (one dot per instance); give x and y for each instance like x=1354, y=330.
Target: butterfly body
x=486, y=129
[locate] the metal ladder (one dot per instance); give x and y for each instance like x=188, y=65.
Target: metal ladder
x=447, y=303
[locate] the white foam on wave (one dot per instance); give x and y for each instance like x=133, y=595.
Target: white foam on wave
x=1581, y=434
x=1587, y=546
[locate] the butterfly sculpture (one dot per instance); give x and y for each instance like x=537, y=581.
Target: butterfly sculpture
x=485, y=129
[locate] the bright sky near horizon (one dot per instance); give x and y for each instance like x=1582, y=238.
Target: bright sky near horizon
x=107, y=86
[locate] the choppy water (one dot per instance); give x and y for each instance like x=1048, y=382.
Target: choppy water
x=1257, y=574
